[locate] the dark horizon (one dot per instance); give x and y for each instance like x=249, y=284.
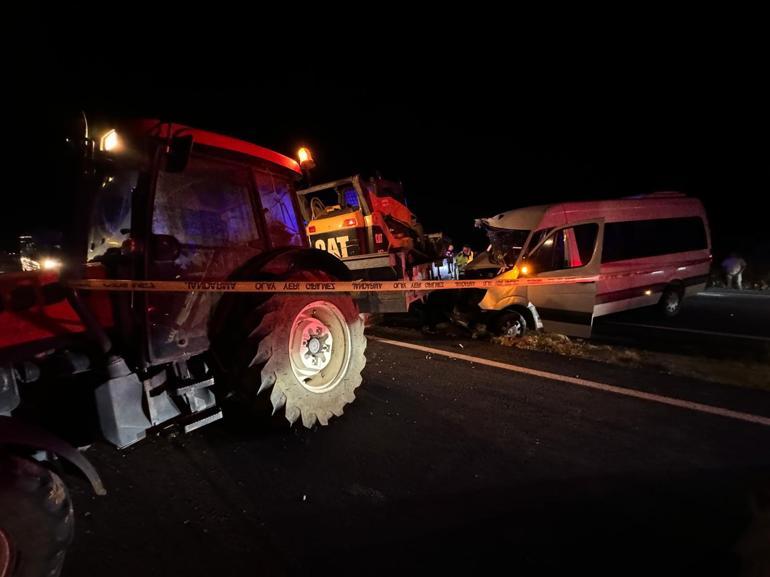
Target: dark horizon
x=592, y=400
x=470, y=131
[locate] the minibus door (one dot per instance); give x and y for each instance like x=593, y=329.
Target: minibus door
x=572, y=251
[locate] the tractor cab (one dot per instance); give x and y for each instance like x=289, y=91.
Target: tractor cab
x=171, y=202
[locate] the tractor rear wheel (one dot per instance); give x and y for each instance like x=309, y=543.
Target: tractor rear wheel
x=306, y=350
x=36, y=519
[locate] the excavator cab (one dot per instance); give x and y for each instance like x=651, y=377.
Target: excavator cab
x=352, y=217
x=367, y=225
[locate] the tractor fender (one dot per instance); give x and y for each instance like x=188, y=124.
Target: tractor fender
x=14, y=431
x=277, y=264
x=282, y=262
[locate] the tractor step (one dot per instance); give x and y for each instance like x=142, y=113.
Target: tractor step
x=185, y=389
x=202, y=420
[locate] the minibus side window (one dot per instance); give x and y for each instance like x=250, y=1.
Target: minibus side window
x=565, y=249
x=537, y=237
x=628, y=240
x=585, y=238
x=549, y=255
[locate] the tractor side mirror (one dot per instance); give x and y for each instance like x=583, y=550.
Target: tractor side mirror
x=165, y=248
x=178, y=153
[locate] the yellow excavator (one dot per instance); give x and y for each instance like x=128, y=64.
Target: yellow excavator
x=353, y=216
x=367, y=224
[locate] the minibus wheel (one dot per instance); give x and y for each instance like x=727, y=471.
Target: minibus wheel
x=671, y=301
x=510, y=324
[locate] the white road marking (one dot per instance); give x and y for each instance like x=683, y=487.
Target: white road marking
x=727, y=295
x=694, y=331
x=690, y=405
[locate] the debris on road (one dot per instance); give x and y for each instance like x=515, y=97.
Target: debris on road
x=745, y=373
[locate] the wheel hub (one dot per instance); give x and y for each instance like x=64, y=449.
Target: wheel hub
x=313, y=346
x=319, y=345
x=511, y=329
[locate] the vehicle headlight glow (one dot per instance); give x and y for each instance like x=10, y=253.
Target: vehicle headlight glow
x=51, y=263
x=110, y=141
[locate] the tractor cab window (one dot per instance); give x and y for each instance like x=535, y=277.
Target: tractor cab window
x=276, y=194
x=111, y=213
x=208, y=209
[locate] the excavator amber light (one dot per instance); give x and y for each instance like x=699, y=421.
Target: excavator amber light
x=305, y=158
x=110, y=141
x=349, y=222
x=525, y=270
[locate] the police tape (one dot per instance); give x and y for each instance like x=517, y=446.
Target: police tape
x=290, y=286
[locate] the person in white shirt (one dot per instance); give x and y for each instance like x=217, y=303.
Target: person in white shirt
x=734, y=266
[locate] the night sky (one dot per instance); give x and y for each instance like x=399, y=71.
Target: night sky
x=475, y=113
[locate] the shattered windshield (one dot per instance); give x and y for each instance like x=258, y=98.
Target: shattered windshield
x=506, y=245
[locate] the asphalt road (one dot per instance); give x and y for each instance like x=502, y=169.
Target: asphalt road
x=714, y=319
x=445, y=465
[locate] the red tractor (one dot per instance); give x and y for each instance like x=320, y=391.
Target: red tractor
x=156, y=200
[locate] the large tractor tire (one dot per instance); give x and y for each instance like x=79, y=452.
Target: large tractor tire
x=36, y=519
x=307, y=351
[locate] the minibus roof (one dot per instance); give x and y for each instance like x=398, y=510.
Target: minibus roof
x=643, y=207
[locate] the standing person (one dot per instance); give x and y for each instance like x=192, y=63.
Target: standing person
x=462, y=259
x=734, y=266
x=449, y=255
